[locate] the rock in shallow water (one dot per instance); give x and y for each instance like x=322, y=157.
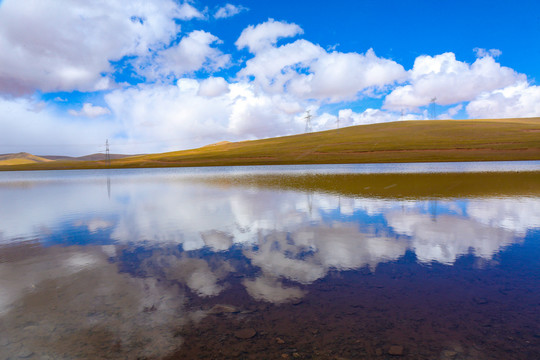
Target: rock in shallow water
x=396, y=350
x=247, y=333
x=223, y=309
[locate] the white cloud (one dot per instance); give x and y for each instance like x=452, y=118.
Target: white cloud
x=491, y=52
x=194, y=113
x=341, y=76
x=307, y=71
x=229, y=10
x=90, y=110
x=192, y=53
x=26, y=126
x=454, y=110
x=347, y=117
x=186, y=11
x=256, y=114
x=170, y=117
x=449, y=81
x=275, y=66
x=518, y=100
x=213, y=86
x=61, y=45
x=262, y=36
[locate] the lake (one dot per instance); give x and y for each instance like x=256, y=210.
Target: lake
x=411, y=261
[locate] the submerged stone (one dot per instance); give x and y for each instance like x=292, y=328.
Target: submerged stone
x=396, y=350
x=246, y=333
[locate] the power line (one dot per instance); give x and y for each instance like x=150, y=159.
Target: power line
x=107, y=153
x=308, y=121
x=432, y=109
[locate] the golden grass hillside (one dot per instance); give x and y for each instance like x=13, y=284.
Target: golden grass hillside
x=21, y=158
x=404, y=141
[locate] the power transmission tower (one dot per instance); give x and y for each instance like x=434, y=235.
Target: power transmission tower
x=308, y=121
x=432, y=110
x=107, y=153
x=337, y=124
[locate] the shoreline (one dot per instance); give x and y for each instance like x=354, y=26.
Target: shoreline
x=100, y=165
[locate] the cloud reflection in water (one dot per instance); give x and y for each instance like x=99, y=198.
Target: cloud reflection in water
x=76, y=298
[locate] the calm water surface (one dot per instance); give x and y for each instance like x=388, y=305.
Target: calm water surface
x=151, y=264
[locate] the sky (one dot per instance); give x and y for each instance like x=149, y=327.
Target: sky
x=166, y=75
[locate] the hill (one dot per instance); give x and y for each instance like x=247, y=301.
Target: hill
x=403, y=141
x=91, y=157
x=21, y=158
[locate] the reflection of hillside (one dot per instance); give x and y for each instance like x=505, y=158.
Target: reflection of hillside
x=404, y=185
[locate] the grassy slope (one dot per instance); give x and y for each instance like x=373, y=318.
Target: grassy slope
x=21, y=158
x=407, y=141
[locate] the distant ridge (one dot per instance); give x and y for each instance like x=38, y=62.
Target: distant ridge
x=21, y=158
x=91, y=157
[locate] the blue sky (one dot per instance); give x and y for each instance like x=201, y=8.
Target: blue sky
x=163, y=75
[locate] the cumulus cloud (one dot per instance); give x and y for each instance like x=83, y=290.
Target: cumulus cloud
x=347, y=117
x=213, y=86
x=307, y=71
x=491, y=52
x=229, y=10
x=196, y=113
x=275, y=66
x=449, y=81
x=186, y=11
x=518, y=100
x=90, y=110
x=341, y=76
x=262, y=36
x=171, y=114
x=192, y=53
x=24, y=123
x=51, y=31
